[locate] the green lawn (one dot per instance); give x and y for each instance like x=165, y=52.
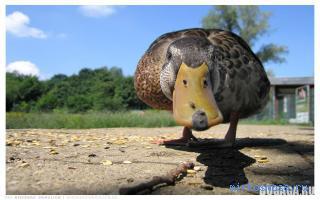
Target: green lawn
x=150, y=118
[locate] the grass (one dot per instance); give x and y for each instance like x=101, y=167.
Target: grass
x=279, y=121
x=150, y=118
x=265, y=121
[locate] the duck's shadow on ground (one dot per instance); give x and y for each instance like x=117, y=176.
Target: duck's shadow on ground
x=226, y=165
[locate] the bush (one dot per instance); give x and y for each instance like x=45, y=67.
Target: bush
x=99, y=89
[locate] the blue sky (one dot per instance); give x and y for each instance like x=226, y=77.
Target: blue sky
x=64, y=39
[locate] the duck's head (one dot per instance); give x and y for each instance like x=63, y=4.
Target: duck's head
x=189, y=78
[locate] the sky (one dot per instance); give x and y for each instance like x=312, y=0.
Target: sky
x=49, y=40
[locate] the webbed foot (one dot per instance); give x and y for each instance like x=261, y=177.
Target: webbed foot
x=186, y=138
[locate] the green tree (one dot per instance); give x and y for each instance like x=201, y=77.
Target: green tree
x=21, y=89
x=79, y=103
x=47, y=102
x=53, y=81
x=250, y=23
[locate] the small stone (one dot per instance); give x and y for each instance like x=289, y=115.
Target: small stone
x=107, y=147
x=130, y=180
x=126, y=162
x=148, y=147
x=206, y=187
x=76, y=144
x=92, y=155
x=106, y=162
x=197, y=168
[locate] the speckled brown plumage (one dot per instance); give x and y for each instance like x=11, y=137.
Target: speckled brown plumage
x=147, y=82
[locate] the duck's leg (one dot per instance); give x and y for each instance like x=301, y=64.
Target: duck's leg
x=186, y=137
x=230, y=137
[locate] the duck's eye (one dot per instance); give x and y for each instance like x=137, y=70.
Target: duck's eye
x=185, y=82
x=169, y=55
x=205, y=83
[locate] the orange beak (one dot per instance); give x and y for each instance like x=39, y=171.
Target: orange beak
x=193, y=95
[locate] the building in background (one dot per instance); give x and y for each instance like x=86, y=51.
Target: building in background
x=291, y=99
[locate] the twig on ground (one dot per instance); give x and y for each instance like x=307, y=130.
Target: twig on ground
x=168, y=179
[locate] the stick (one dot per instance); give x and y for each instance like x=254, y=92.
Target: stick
x=168, y=179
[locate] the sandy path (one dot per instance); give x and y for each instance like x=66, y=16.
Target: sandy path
x=41, y=161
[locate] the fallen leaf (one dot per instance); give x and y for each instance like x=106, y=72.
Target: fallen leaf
x=53, y=152
x=191, y=171
x=72, y=168
x=75, y=138
x=261, y=157
x=263, y=161
x=106, y=162
x=24, y=164
x=50, y=147
x=36, y=143
x=119, y=142
x=194, y=182
x=13, y=142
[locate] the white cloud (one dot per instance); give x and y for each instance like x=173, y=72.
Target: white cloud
x=97, y=11
x=17, y=24
x=23, y=67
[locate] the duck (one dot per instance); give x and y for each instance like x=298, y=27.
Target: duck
x=205, y=77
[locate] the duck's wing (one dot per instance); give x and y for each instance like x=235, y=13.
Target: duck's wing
x=242, y=85
x=147, y=75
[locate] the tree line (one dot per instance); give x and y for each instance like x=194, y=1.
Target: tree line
x=90, y=90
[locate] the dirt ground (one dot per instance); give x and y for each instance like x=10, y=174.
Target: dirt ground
x=100, y=161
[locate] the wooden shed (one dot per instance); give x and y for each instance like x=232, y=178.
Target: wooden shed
x=291, y=99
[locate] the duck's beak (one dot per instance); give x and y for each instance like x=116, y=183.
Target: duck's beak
x=194, y=105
